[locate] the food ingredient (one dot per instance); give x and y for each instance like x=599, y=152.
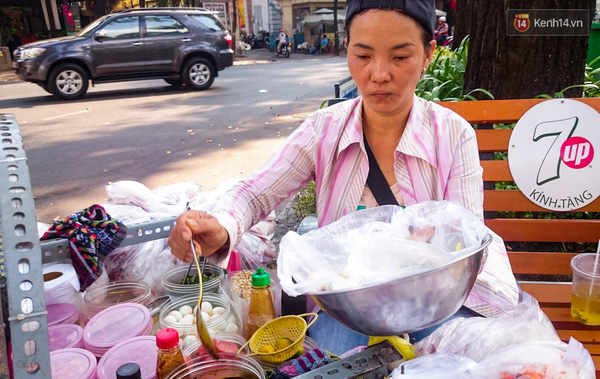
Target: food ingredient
x=195, y=279
x=266, y=349
x=299, y=353
x=242, y=284
x=283, y=342
x=222, y=347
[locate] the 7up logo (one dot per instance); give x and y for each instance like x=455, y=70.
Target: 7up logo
x=577, y=152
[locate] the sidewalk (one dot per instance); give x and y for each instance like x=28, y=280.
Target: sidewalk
x=254, y=56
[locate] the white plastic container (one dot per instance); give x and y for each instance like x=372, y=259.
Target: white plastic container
x=116, y=324
x=141, y=350
x=104, y=296
x=73, y=364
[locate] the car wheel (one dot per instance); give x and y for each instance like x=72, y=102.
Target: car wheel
x=68, y=81
x=198, y=74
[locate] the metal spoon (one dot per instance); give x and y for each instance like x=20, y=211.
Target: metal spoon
x=200, y=325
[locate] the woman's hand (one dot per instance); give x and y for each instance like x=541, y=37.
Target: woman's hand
x=208, y=234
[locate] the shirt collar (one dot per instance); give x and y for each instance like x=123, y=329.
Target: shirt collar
x=418, y=139
x=351, y=126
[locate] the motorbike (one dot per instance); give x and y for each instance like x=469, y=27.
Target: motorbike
x=285, y=50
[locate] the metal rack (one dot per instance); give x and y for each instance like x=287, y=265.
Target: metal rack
x=22, y=256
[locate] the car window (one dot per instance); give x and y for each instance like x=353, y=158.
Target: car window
x=160, y=25
x=124, y=27
x=88, y=29
x=208, y=21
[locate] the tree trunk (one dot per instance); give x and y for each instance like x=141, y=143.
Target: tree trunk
x=513, y=67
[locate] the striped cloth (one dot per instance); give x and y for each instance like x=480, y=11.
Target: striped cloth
x=437, y=159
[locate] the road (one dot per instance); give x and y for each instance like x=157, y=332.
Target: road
x=150, y=132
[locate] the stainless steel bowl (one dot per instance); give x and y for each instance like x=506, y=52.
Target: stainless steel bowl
x=409, y=303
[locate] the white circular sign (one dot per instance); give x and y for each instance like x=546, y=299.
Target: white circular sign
x=554, y=154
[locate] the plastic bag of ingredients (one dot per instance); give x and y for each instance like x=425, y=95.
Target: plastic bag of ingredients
x=530, y=360
x=133, y=203
x=478, y=337
x=341, y=255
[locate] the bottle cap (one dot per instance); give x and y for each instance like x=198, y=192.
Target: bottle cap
x=129, y=370
x=261, y=278
x=167, y=338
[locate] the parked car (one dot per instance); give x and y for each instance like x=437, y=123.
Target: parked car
x=183, y=46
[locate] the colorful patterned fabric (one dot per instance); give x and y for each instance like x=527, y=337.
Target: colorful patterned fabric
x=310, y=360
x=93, y=234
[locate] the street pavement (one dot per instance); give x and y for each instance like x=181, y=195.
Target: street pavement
x=254, y=56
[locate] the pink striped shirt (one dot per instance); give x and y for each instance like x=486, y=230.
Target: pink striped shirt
x=436, y=159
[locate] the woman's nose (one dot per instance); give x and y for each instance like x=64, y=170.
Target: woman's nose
x=380, y=71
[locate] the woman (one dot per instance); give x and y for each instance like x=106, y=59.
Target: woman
x=424, y=152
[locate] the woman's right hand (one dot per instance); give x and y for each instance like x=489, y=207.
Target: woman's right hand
x=208, y=234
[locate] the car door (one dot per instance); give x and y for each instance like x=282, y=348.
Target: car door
x=164, y=38
x=118, y=48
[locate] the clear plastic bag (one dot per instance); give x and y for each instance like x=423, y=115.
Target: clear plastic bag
x=406, y=241
x=436, y=366
x=478, y=337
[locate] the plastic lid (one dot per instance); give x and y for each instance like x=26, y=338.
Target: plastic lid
x=261, y=278
x=139, y=350
x=115, y=324
x=167, y=338
x=62, y=313
x=129, y=371
x=65, y=336
x=72, y=364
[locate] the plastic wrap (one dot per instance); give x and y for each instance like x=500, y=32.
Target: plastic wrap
x=339, y=256
x=133, y=203
x=478, y=337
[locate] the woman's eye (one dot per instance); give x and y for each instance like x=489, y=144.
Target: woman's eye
x=401, y=58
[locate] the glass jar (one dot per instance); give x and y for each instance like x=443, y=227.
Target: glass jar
x=172, y=279
x=228, y=365
x=215, y=324
x=104, y=296
x=189, y=350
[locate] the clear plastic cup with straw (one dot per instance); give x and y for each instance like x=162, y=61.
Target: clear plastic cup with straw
x=585, y=297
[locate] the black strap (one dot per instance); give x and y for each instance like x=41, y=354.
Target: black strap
x=376, y=181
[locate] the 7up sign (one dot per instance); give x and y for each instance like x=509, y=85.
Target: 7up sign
x=553, y=154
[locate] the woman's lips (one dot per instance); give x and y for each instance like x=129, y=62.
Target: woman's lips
x=380, y=94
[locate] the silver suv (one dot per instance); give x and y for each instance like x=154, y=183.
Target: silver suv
x=183, y=46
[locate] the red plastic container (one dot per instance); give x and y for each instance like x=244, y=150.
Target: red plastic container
x=73, y=364
x=116, y=324
x=141, y=350
x=64, y=336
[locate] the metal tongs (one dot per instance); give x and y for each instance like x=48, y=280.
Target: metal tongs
x=200, y=325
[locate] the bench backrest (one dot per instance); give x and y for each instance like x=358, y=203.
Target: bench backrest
x=483, y=114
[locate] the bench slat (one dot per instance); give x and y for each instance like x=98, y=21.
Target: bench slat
x=493, y=140
x=501, y=111
x=557, y=230
x=541, y=263
x=508, y=200
x=496, y=171
x=549, y=294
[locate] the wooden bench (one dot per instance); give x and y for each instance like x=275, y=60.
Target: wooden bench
x=554, y=297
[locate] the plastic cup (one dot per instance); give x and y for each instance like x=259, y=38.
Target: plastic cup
x=585, y=297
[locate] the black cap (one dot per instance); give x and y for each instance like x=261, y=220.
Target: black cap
x=129, y=371
x=423, y=11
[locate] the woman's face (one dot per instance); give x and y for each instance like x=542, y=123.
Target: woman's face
x=386, y=57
